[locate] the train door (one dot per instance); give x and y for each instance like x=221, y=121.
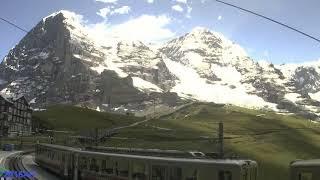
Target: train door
x=253, y=173
x=224, y=175
x=175, y=173
x=120, y=169
x=190, y=172
x=62, y=164
x=76, y=172
x=246, y=172
x=139, y=170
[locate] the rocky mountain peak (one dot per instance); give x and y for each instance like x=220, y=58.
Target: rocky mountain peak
x=59, y=61
x=69, y=16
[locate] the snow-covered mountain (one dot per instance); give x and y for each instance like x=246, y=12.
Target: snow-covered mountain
x=59, y=61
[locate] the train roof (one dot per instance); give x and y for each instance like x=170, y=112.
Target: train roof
x=149, y=152
x=172, y=159
x=238, y=162
x=310, y=162
x=64, y=148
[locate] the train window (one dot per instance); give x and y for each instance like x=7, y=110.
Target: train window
x=116, y=170
x=109, y=167
x=82, y=163
x=52, y=155
x=225, y=175
x=190, y=173
x=175, y=173
x=138, y=171
x=106, y=167
x=305, y=176
x=103, y=165
x=63, y=158
x=93, y=165
x=122, y=168
x=158, y=172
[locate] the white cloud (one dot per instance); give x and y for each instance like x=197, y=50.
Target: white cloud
x=219, y=18
x=150, y=1
x=177, y=8
x=122, y=10
x=107, y=1
x=147, y=28
x=181, y=1
x=104, y=12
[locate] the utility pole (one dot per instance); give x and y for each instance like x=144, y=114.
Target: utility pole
x=96, y=137
x=154, y=108
x=220, y=140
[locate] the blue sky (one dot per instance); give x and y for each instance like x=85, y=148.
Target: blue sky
x=158, y=20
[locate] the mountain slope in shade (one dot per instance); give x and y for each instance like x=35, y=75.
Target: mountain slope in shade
x=59, y=61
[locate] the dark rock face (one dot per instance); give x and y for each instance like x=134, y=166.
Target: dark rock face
x=306, y=79
x=43, y=67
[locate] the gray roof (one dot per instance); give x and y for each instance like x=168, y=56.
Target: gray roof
x=13, y=98
x=310, y=162
x=6, y=98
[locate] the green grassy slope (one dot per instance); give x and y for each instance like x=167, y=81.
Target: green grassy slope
x=64, y=117
x=272, y=140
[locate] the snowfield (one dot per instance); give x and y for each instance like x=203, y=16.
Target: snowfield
x=191, y=85
x=143, y=85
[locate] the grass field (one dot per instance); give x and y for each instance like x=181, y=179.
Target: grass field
x=272, y=140
x=64, y=117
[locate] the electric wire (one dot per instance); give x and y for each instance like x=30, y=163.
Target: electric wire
x=21, y=29
x=272, y=20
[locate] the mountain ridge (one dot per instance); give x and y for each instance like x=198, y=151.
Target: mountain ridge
x=64, y=64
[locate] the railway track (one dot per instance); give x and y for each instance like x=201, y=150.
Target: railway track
x=16, y=168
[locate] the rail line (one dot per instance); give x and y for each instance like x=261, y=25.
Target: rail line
x=14, y=164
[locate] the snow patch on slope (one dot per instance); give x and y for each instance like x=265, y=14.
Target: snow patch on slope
x=192, y=85
x=143, y=85
x=109, y=66
x=315, y=96
x=227, y=74
x=293, y=97
x=81, y=57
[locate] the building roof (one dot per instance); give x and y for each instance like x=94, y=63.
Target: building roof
x=11, y=100
x=15, y=98
x=6, y=98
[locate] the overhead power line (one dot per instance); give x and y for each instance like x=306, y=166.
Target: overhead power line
x=13, y=24
x=22, y=29
x=275, y=21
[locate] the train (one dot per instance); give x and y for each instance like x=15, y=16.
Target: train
x=124, y=164
x=305, y=169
